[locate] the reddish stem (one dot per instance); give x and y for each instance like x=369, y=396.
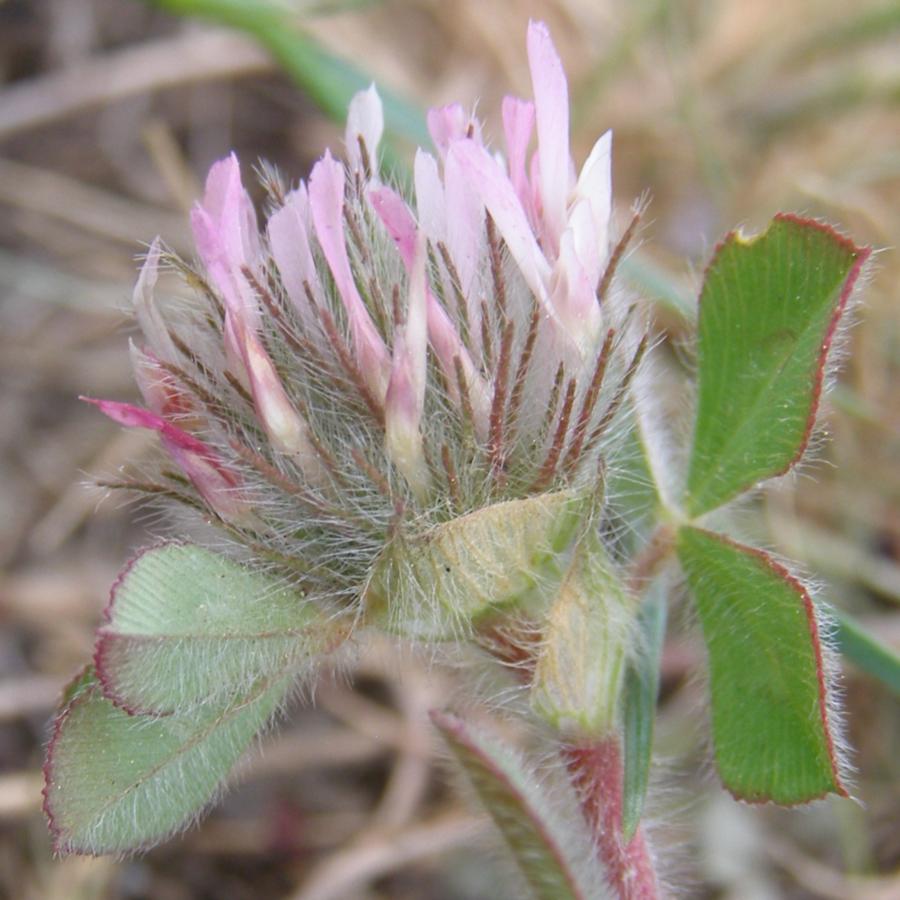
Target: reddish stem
x=596, y=771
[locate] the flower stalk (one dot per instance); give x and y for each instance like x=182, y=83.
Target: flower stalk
x=597, y=774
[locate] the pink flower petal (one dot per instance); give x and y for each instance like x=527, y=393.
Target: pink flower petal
x=227, y=239
x=442, y=333
x=551, y=101
x=231, y=210
x=447, y=124
x=595, y=186
x=430, y=206
x=365, y=119
x=127, y=414
x=573, y=297
x=518, y=124
x=145, y=310
x=497, y=194
x=397, y=218
x=289, y=231
x=585, y=241
x=465, y=238
x=158, y=387
x=286, y=428
x=326, y=194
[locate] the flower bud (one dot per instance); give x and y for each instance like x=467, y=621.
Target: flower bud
x=581, y=663
x=406, y=391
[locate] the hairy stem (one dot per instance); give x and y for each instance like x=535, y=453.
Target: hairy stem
x=596, y=771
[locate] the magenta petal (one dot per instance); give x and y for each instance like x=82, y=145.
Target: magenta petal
x=551, y=101
x=127, y=414
x=326, y=194
x=397, y=218
x=135, y=417
x=219, y=487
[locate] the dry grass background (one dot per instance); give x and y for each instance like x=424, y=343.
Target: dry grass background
x=724, y=110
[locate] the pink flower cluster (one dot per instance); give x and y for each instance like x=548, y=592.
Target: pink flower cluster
x=500, y=261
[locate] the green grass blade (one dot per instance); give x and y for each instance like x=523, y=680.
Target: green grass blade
x=771, y=704
x=768, y=312
x=654, y=282
x=866, y=652
x=327, y=79
x=641, y=690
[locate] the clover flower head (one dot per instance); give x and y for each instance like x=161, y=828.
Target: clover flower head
x=367, y=366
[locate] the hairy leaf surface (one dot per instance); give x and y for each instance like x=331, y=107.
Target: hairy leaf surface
x=546, y=849
x=768, y=312
x=186, y=626
x=116, y=783
x=771, y=711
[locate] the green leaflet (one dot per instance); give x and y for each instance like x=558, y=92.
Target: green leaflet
x=770, y=713
x=185, y=626
x=546, y=848
x=768, y=311
x=435, y=585
x=641, y=690
x=116, y=782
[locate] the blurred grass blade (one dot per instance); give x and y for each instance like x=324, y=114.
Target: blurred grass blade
x=327, y=79
x=866, y=652
x=544, y=846
x=861, y=27
x=641, y=689
x=652, y=280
